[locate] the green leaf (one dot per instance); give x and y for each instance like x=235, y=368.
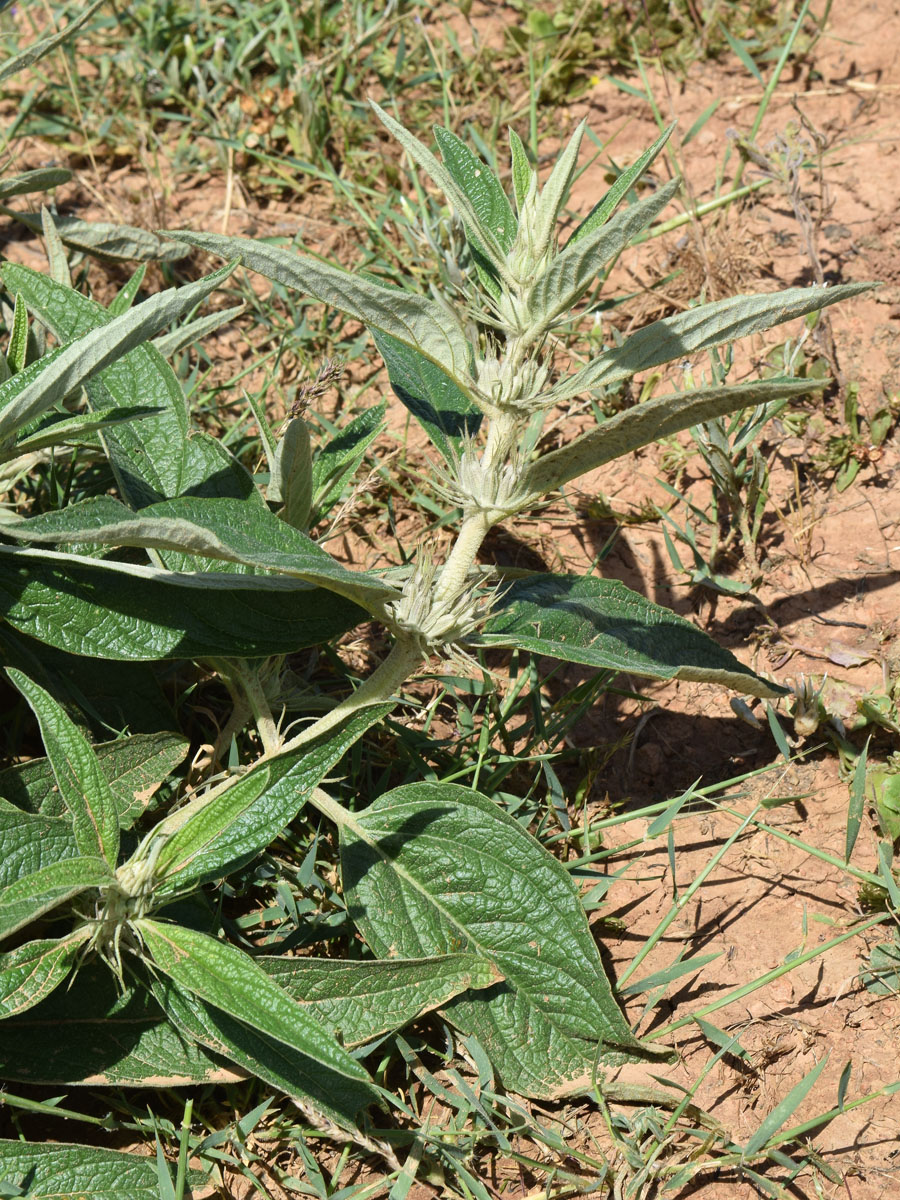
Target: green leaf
x=883, y=788
x=292, y=476
x=39, y=180
x=125, y=296
x=83, y=786
x=56, y=251
x=339, y=459
x=29, y=842
x=112, y=242
x=27, y=395
x=857, y=801
x=32, y=895
x=135, y=766
x=435, y=869
x=75, y=431
x=480, y=185
x=572, y=271
x=91, y=1032
x=226, y=978
x=30, y=973
x=554, y=193
x=604, y=624
x=124, y=612
x=17, y=352
x=414, y=320
x=362, y=1000
x=219, y=528
x=50, y=1171
x=156, y=459
x=231, y=829
x=443, y=410
x=652, y=420
x=700, y=329
x=522, y=173
x=784, y=1111
x=604, y=208
x=882, y=975
x=37, y=50
x=194, y=332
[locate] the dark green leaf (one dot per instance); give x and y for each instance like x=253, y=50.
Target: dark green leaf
x=482, y=187
x=339, y=459
x=31, y=972
x=30, y=896
x=71, y=1172
x=604, y=208
x=29, y=842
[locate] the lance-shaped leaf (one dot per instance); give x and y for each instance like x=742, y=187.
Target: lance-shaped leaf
x=103, y=239
x=29, y=842
x=125, y=612
x=74, y=431
x=481, y=186
x=434, y=868
x=604, y=208
x=291, y=481
x=82, y=785
x=522, y=172
x=194, y=332
x=554, y=192
x=235, y=826
x=655, y=419
x=33, y=895
x=37, y=50
x=26, y=396
x=340, y=458
x=219, y=528
x=30, y=973
x=70, y=1172
x=227, y=979
x=135, y=765
x=414, y=320
x=155, y=459
x=96, y=1031
x=443, y=410
x=700, y=329
x=18, y=338
x=604, y=624
x=362, y=1000
x=253, y=1053
x=573, y=270
x=39, y=180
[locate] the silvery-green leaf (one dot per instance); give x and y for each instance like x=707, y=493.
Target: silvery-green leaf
x=522, y=172
x=105, y=240
x=84, y=788
x=433, y=868
x=52, y=1171
x=700, y=329
x=29, y=973
x=554, y=192
x=17, y=350
x=604, y=208
x=130, y=613
x=30, y=896
x=76, y=430
x=192, y=334
x=233, y=828
x=24, y=397
x=654, y=419
x=414, y=320
x=459, y=197
x=135, y=765
x=156, y=459
x=228, y=980
x=56, y=251
x=292, y=478
x=443, y=410
x=39, y=180
x=37, y=50
x=224, y=529
x=574, y=269
x=603, y=624
x=362, y=1000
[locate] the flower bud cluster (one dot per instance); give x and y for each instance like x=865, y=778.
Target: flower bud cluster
x=477, y=485
x=436, y=624
x=511, y=386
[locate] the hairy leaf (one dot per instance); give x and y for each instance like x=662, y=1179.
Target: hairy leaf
x=481, y=186
x=82, y=785
x=362, y=1000
x=124, y=612
x=604, y=624
x=116, y=243
x=655, y=419
x=604, y=208
x=443, y=410
x=26, y=396
x=30, y=896
x=231, y=829
x=29, y=842
x=37, y=50
x=135, y=766
x=434, y=869
x=48, y=1171
x=414, y=320
x=30, y=973
x=700, y=329
x=39, y=180
x=339, y=459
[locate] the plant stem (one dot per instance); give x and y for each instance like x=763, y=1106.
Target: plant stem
x=455, y=571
